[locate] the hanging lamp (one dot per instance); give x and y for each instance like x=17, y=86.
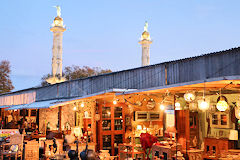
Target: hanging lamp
x=203, y=105
x=222, y=104
x=189, y=96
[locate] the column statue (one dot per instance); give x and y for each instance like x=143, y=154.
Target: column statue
x=58, y=11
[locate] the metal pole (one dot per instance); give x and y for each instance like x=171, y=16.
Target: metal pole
x=175, y=114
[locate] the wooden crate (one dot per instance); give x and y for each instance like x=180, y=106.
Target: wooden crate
x=32, y=150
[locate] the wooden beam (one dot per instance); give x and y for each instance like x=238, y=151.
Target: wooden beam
x=60, y=118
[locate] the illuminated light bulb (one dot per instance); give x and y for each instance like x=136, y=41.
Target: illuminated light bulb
x=222, y=105
x=74, y=108
x=114, y=102
x=82, y=105
x=162, y=107
x=177, y=106
x=203, y=105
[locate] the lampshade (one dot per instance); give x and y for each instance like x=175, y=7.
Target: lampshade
x=171, y=129
x=233, y=135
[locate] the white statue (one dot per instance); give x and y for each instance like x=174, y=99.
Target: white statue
x=146, y=26
x=58, y=11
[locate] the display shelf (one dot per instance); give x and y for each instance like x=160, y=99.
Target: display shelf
x=111, y=127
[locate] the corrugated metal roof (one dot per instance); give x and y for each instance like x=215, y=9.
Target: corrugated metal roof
x=211, y=65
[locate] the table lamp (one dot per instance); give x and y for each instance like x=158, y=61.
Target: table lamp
x=170, y=130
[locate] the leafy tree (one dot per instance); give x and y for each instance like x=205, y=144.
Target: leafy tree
x=5, y=81
x=76, y=72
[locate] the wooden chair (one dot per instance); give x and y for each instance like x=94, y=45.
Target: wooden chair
x=16, y=139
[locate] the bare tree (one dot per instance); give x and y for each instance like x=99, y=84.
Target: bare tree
x=76, y=72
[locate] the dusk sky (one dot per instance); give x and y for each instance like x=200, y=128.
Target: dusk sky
x=105, y=33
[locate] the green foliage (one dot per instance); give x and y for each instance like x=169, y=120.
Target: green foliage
x=5, y=81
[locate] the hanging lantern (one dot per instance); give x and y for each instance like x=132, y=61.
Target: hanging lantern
x=189, y=97
x=222, y=105
x=237, y=112
x=193, y=106
x=203, y=105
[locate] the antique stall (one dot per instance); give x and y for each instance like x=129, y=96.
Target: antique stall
x=122, y=119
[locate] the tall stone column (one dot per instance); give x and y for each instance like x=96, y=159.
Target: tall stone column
x=57, y=28
x=145, y=42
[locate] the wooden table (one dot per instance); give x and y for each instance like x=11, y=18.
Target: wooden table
x=127, y=149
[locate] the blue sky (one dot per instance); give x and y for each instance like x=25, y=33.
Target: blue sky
x=105, y=33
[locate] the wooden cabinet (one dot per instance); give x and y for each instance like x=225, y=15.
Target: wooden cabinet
x=111, y=127
x=187, y=128
x=215, y=147
x=194, y=129
x=183, y=128
x=147, y=116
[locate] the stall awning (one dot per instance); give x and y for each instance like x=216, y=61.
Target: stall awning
x=37, y=105
x=4, y=106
